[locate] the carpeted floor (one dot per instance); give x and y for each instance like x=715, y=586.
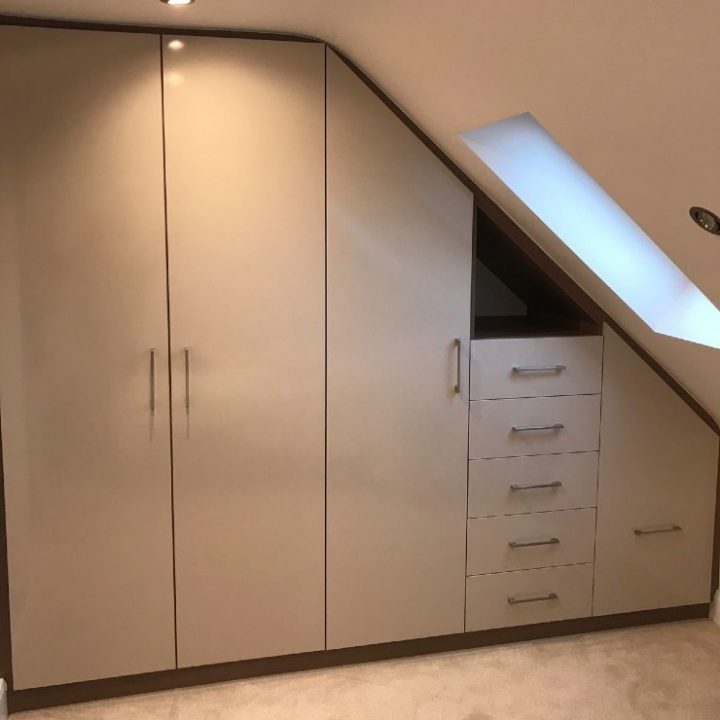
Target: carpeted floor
x=664, y=672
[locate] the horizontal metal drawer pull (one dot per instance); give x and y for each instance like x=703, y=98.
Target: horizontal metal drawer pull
x=539, y=486
x=539, y=368
x=533, y=543
x=512, y=600
x=657, y=530
x=532, y=428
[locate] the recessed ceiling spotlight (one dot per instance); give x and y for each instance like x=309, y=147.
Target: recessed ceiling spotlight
x=176, y=44
x=706, y=219
x=178, y=2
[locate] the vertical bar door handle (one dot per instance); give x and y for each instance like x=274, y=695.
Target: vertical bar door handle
x=187, y=379
x=458, y=348
x=152, y=381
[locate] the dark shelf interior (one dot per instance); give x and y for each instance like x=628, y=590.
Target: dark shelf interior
x=513, y=297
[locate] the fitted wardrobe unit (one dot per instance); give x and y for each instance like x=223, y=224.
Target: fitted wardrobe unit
x=272, y=385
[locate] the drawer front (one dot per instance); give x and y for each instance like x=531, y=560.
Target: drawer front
x=534, y=426
x=536, y=483
x=651, y=565
x=528, y=597
x=535, y=367
x=523, y=542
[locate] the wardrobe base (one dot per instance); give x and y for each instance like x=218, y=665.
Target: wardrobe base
x=184, y=677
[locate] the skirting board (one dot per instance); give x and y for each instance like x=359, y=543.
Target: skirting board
x=32, y=699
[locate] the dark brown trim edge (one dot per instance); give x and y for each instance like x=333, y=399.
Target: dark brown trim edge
x=172, y=679
x=715, y=576
x=25, y=21
x=5, y=643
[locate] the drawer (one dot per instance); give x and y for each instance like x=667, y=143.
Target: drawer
x=528, y=597
x=535, y=367
x=534, y=426
x=655, y=563
x=523, y=542
x=536, y=483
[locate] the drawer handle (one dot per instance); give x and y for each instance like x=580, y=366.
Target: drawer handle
x=535, y=428
x=513, y=600
x=657, y=530
x=538, y=368
x=539, y=486
x=533, y=543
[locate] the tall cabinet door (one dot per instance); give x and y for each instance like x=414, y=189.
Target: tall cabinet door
x=246, y=211
x=399, y=278
x=656, y=491
x=84, y=399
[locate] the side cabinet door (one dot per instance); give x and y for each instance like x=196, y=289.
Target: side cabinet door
x=85, y=423
x=399, y=277
x=245, y=138
x=656, y=495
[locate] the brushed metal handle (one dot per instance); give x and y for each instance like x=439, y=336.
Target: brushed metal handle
x=514, y=600
x=538, y=486
x=152, y=381
x=187, y=379
x=534, y=428
x=657, y=530
x=458, y=348
x=538, y=368
x=514, y=544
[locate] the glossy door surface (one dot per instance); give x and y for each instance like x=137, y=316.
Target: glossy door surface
x=399, y=266
x=246, y=222
x=82, y=302
x=658, y=476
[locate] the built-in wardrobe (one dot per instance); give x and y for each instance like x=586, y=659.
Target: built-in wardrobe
x=271, y=384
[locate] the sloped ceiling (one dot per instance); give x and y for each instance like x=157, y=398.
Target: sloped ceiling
x=629, y=88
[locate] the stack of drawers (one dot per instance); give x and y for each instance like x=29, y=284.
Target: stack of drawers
x=534, y=439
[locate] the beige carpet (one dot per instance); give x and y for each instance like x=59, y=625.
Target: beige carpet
x=655, y=673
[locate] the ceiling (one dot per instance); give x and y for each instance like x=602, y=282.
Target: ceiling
x=629, y=89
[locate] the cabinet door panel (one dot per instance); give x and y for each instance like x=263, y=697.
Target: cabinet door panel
x=399, y=265
x=82, y=302
x=246, y=210
x=658, y=473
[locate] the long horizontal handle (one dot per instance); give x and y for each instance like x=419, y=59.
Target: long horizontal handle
x=533, y=543
x=534, y=428
x=538, y=368
x=538, y=486
x=513, y=600
x=657, y=530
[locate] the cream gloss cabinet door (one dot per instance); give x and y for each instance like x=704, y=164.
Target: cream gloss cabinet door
x=399, y=266
x=84, y=400
x=656, y=491
x=245, y=137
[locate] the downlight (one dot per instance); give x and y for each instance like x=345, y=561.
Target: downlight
x=178, y=2
x=706, y=219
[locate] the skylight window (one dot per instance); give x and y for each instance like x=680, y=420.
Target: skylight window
x=567, y=199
